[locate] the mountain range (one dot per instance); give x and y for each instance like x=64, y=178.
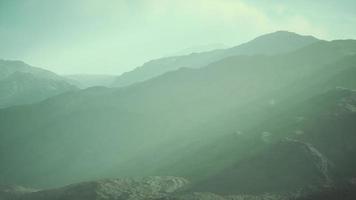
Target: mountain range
x=275, y=116
x=269, y=44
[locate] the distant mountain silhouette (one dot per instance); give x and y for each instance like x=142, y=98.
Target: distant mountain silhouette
x=269, y=44
x=21, y=83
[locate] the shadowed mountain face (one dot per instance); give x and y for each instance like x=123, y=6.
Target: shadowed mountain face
x=269, y=44
x=209, y=121
x=24, y=84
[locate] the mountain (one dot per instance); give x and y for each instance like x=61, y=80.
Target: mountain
x=90, y=80
x=21, y=83
x=269, y=44
x=206, y=120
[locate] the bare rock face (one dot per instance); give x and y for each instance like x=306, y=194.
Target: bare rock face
x=110, y=189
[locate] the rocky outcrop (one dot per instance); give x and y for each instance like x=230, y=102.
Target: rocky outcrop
x=110, y=189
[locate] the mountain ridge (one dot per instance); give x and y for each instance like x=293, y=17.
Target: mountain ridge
x=287, y=42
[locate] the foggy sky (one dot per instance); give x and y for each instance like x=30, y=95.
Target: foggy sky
x=114, y=36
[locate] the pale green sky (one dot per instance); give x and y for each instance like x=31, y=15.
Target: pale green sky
x=114, y=36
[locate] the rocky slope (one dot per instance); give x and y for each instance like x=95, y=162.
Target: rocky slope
x=109, y=189
x=159, y=188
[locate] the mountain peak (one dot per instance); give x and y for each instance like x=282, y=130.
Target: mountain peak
x=286, y=34
x=278, y=42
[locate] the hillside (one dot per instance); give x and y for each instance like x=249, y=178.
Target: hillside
x=314, y=140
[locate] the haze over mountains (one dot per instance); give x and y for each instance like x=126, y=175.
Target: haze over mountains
x=276, y=115
x=17, y=74
x=90, y=80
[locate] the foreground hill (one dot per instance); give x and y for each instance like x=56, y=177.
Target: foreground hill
x=269, y=44
x=23, y=84
x=203, y=124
